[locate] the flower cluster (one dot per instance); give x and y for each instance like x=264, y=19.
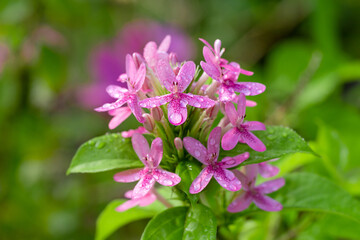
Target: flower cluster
x=160, y=90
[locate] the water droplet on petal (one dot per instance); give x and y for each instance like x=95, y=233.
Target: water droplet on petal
x=196, y=186
x=197, y=153
x=212, y=141
x=197, y=105
x=176, y=118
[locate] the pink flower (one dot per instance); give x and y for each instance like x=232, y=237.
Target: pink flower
x=148, y=199
x=209, y=157
x=227, y=73
x=241, y=131
x=131, y=132
x=151, y=50
x=136, y=78
x=151, y=173
x=176, y=85
x=254, y=193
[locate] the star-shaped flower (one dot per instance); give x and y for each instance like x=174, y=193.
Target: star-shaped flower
x=176, y=85
x=241, y=131
x=209, y=157
x=256, y=194
x=151, y=173
x=227, y=73
x=135, y=81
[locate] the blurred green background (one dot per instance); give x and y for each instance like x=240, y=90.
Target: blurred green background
x=57, y=56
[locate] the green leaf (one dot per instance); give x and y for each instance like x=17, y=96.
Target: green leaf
x=188, y=171
x=110, y=220
x=279, y=141
x=310, y=192
x=196, y=222
x=104, y=153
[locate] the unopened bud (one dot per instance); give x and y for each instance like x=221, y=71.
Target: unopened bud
x=149, y=122
x=178, y=143
x=138, y=59
x=122, y=78
x=156, y=113
x=213, y=111
x=173, y=59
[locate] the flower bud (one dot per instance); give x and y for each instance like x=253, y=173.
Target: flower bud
x=156, y=113
x=173, y=59
x=138, y=59
x=149, y=122
x=178, y=143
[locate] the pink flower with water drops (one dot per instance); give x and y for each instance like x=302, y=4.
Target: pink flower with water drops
x=176, y=85
x=151, y=173
x=151, y=50
x=135, y=81
x=131, y=132
x=256, y=194
x=148, y=199
x=209, y=157
x=227, y=73
x=241, y=131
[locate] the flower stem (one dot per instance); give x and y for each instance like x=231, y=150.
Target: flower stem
x=162, y=199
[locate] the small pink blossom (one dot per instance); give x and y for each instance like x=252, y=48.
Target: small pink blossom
x=176, y=85
x=151, y=50
x=241, y=131
x=151, y=173
x=135, y=81
x=131, y=132
x=256, y=194
x=148, y=199
x=209, y=157
x=227, y=73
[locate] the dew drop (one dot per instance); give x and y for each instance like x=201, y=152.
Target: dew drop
x=176, y=118
x=196, y=187
x=212, y=141
x=99, y=145
x=197, y=153
x=271, y=137
x=168, y=182
x=197, y=105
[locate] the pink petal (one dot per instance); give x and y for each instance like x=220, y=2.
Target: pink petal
x=141, y=146
x=131, y=132
x=196, y=149
x=251, y=140
x=156, y=151
x=211, y=70
x=197, y=100
x=267, y=170
x=120, y=115
x=245, y=72
x=155, y=101
x=241, y=203
x=266, y=203
x=128, y=194
x=209, y=57
x=226, y=93
x=130, y=175
x=246, y=184
x=202, y=180
x=143, y=186
x=207, y=44
x=135, y=109
x=138, y=80
x=230, y=139
x=231, y=113
x=127, y=205
x=227, y=179
x=270, y=186
x=185, y=75
x=166, y=178
x=111, y=106
x=130, y=67
x=217, y=47
x=229, y=162
x=251, y=174
x=165, y=44
x=249, y=88
x=241, y=108
x=250, y=103
x=116, y=91
x=213, y=143
x=177, y=112
x=150, y=51
x=254, y=126
x=147, y=199
x=165, y=72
